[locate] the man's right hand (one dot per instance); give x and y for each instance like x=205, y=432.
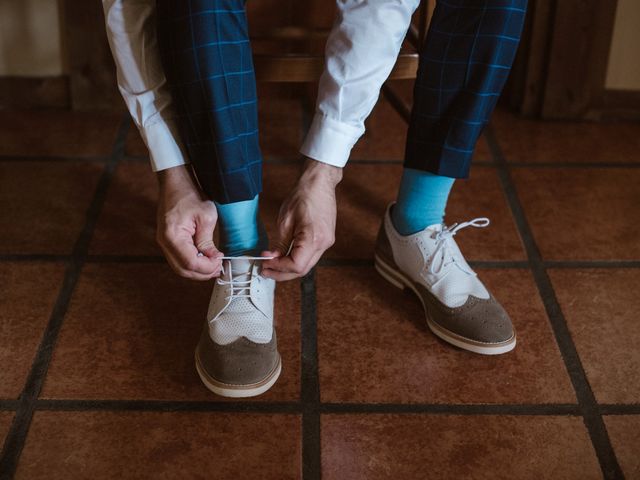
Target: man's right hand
x=185, y=225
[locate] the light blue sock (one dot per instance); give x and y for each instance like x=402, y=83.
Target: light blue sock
x=241, y=231
x=421, y=202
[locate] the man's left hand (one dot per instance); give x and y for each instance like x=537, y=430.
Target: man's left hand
x=306, y=223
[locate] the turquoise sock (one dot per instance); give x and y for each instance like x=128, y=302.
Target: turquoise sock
x=421, y=202
x=241, y=231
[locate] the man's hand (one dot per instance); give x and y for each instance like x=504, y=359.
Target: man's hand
x=185, y=226
x=306, y=223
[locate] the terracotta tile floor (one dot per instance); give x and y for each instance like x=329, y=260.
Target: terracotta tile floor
x=97, y=334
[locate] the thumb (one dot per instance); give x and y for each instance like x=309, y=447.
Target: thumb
x=203, y=237
x=283, y=239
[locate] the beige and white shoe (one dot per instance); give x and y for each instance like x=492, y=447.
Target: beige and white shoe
x=458, y=307
x=237, y=355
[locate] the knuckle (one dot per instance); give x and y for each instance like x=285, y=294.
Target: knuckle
x=209, y=218
x=284, y=218
x=283, y=228
x=324, y=241
x=330, y=241
x=204, y=244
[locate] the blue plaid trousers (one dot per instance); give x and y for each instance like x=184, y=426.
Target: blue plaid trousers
x=206, y=55
x=464, y=64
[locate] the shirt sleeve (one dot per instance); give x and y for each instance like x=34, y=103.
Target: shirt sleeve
x=360, y=54
x=131, y=31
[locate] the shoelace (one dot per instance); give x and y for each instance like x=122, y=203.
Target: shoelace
x=443, y=245
x=239, y=288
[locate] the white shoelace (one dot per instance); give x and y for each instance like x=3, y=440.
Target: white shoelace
x=239, y=288
x=445, y=252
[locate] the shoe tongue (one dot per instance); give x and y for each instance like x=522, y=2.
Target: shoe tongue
x=436, y=227
x=431, y=232
x=241, y=271
x=240, y=265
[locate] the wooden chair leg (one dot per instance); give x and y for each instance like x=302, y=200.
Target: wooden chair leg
x=396, y=102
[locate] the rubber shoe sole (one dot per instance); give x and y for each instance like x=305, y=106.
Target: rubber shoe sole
x=238, y=391
x=399, y=280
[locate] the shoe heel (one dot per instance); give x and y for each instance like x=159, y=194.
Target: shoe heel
x=384, y=271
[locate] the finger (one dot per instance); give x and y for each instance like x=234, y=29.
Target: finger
x=298, y=260
x=203, y=238
x=281, y=276
x=186, y=273
x=189, y=273
x=302, y=250
x=185, y=254
x=280, y=252
x=284, y=265
x=284, y=238
x=182, y=254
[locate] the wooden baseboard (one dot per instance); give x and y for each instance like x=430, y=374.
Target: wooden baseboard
x=617, y=104
x=621, y=99
x=35, y=92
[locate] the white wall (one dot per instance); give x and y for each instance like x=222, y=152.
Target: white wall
x=623, y=72
x=30, y=38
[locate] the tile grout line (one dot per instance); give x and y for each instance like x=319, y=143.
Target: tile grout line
x=54, y=158
x=310, y=384
x=92, y=405
x=325, y=262
x=549, y=264
x=619, y=408
x=15, y=439
x=280, y=160
x=34, y=257
x=8, y=405
x=576, y=165
x=77, y=405
x=555, y=409
x=132, y=405
x=586, y=399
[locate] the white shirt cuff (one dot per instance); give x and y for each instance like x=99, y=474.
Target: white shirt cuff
x=330, y=141
x=165, y=149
